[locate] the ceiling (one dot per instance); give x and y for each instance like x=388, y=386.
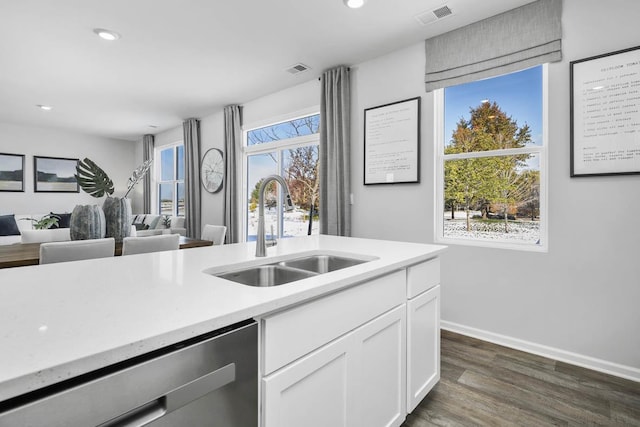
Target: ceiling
x=189, y=58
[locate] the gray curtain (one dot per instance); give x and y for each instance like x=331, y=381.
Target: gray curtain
x=147, y=153
x=335, y=128
x=191, y=129
x=520, y=38
x=233, y=139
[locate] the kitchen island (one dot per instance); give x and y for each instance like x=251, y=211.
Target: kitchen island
x=59, y=321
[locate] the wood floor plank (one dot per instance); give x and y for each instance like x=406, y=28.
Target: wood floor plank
x=486, y=384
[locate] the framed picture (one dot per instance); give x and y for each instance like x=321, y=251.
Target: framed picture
x=392, y=143
x=11, y=172
x=605, y=114
x=55, y=175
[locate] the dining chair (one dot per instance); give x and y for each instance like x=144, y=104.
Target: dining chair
x=75, y=250
x=140, y=245
x=215, y=233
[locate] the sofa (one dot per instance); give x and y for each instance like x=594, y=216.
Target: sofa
x=18, y=228
x=152, y=225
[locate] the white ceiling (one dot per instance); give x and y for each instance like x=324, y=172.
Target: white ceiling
x=188, y=58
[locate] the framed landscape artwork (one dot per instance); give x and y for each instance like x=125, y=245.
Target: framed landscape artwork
x=55, y=175
x=11, y=172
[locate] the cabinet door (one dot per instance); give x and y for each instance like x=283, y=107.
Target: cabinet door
x=423, y=345
x=381, y=355
x=313, y=391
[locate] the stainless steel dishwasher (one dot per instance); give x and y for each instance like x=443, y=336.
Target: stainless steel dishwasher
x=211, y=380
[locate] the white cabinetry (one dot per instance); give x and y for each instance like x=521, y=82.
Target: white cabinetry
x=423, y=330
x=356, y=380
x=339, y=360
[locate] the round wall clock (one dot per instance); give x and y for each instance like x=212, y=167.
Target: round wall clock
x=212, y=170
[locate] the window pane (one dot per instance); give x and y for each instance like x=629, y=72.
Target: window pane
x=166, y=199
x=181, y=199
x=293, y=128
x=259, y=166
x=180, y=160
x=300, y=170
x=496, y=113
x=166, y=164
x=493, y=198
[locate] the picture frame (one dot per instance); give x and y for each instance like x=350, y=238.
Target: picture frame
x=11, y=172
x=392, y=143
x=604, y=110
x=55, y=175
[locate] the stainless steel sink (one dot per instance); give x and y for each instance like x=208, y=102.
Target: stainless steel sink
x=321, y=263
x=266, y=275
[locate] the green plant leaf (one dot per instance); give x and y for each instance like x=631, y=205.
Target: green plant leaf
x=92, y=179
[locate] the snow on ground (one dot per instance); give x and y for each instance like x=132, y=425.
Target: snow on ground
x=294, y=223
x=519, y=231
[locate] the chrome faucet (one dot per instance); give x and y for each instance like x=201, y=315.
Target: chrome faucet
x=261, y=244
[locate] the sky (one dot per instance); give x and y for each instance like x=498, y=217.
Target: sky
x=518, y=94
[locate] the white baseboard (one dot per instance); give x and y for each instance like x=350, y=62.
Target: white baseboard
x=627, y=372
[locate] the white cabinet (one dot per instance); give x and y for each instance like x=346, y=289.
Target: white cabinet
x=423, y=330
x=356, y=380
x=423, y=345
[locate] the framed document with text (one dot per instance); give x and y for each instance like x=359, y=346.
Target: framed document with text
x=605, y=114
x=392, y=143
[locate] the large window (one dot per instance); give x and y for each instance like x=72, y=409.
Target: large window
x=170, y=179
x=491, y=162
x=290, y=149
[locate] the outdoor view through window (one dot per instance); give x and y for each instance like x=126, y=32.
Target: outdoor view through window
x=492, y=160
x=289, y=149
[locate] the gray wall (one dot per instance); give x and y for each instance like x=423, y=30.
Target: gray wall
x=580, y=300
x=116, y=157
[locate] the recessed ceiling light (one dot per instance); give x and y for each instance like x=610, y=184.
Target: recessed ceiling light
x=106, y=34
x=44, y=107
x=354, y=4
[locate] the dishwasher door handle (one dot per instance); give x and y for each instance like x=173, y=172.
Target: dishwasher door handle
x=175, y=399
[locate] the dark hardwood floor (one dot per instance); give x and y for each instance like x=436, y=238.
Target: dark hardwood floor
x=484, y=384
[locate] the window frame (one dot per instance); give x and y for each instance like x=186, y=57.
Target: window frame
x=158, y=176
x=440, y=158
x=268, y=147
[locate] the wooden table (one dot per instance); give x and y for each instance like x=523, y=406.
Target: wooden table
x=21, y=254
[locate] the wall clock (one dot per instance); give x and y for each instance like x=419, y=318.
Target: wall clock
x=212, y=170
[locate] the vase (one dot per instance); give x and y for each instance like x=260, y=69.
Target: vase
x=87, y=222
x=117, y=212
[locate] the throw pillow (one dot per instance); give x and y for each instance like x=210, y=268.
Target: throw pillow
x=8, y=226
x=141, y=227
x=154, y=222
x=64, y=220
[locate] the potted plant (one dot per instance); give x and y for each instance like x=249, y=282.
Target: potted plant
x=47, y=221
x=117, y=210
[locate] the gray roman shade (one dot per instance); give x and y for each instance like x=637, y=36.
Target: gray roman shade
x=514, y=40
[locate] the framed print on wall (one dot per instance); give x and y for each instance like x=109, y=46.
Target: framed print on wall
x=605, y=114
x=11, y=172
x=55, y=175
x=392, y=143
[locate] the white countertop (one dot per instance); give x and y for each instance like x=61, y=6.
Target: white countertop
x=58, y=321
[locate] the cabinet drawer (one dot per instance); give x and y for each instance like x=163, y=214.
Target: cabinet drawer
x=423, y=276
x=300, y=330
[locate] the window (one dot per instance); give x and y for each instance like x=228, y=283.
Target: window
x=170, y=179
x=491, y=162
x=290, y=149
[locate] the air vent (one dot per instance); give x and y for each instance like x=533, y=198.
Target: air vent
x=297, y=68
x=430, y=16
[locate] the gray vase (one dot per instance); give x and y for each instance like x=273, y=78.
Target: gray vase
x=117, y=212
x=87, y=222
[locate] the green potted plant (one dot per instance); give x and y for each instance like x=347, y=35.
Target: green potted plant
x=117, y=210
x=47, y=221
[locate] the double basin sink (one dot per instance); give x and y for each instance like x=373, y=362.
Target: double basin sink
x=289, y=270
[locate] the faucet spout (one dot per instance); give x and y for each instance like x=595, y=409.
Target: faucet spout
x=261, y=243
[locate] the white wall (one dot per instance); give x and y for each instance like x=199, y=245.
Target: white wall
x=116, y=157
x=578, y=301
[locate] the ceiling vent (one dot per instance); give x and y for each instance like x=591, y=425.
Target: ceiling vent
x=430, y=16
x=298, y=68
